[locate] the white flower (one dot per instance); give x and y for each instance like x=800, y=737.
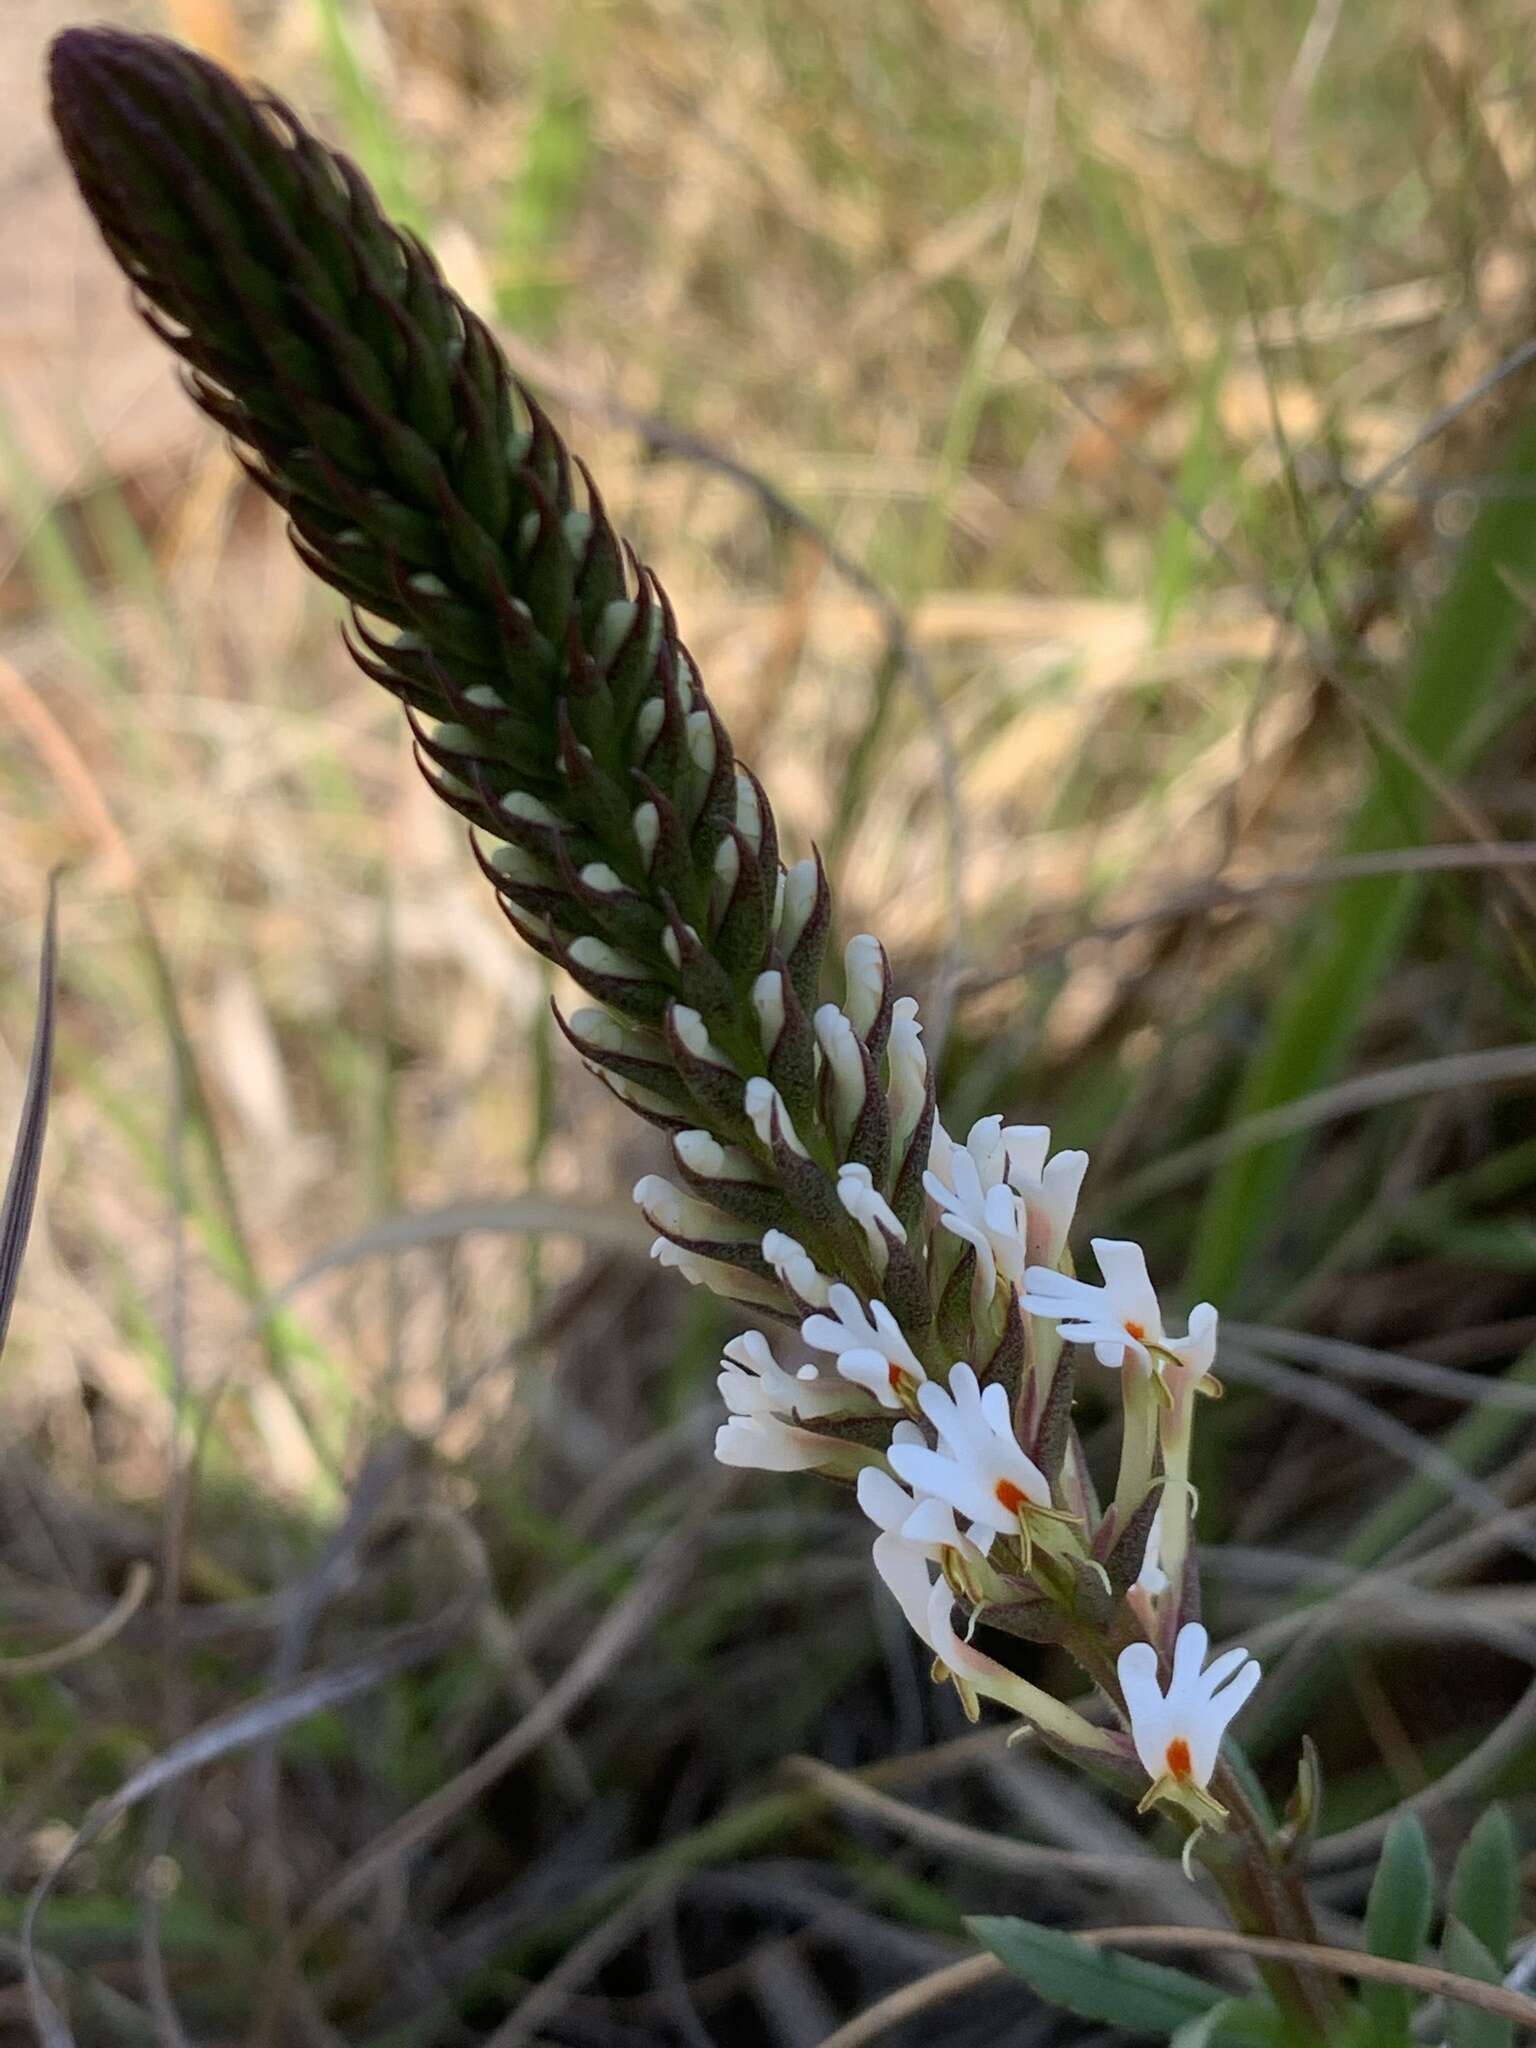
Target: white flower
x=1000, y=1192
x=1178, y=1733
x=864, y=1202
x=679, y=1214
x=752, y=1382
x=913, y=1535
x=767, y=1403
x=1121, y=1319
x=796, y=1268
x=714, y=1274
x=869, y=1347
x=982, y=1469
x=765, y=1444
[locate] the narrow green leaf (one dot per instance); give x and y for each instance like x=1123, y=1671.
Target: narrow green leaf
x=1397, y=1919
x=1353, y=938
x=1465, y=2026
x=1485, y=1885
x=1099, y=1984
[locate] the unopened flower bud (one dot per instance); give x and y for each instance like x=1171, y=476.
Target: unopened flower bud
x=679, y=1214
x=800, y=886
x=768, y=1002
x=870, y=1210
x=864, y=971
x=749, y=817
x=796, y=1268
x=835, y=1035
x=766, y=1112
x=907, y=1089
x=598, y=875
x=710, y=1160
x=598, y=957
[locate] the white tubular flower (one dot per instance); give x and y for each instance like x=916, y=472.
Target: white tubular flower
x=1178, y=1733
x=1000, y=1192
x=864, y=1202
x=925, y=1526
x=1047, y=1189
x=670, y=1209
x=796, y=1268
x=907, y=1089
x=765, y=1107
x=764, y=1444
x=710, y=1160
x=982, y=1469
x=864, y=977
x=714, y=1274
x=966, y=1181
x=1152, y=1579
x=869, y=1347
x=752, y=1382
x=1122, y=1319
x=840, y=1047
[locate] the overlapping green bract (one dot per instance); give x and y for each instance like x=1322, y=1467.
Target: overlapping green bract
x=539, y=663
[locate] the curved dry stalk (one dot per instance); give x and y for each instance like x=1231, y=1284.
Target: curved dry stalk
x=96, y=1637
x=1485, y=1069
x=1201, y=897
x=974, y=1971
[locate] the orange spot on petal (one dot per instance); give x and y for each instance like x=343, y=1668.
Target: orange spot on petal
x=1011, y=1497
x=1136, y=1330
x=896, y=1378
x=1178, y=1758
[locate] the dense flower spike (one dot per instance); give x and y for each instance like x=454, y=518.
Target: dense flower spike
x=555, y=706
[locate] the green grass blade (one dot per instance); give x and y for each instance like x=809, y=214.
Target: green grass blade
x=1464, y=655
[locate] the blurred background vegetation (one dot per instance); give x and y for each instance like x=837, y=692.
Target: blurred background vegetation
x=1092, y=453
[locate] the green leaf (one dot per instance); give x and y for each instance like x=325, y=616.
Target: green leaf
x=1485, y=1885
x=1465, y=2026
x=1235, y=2019
x=1098, y=1984
x=1397, y=1919
x=1447, y=709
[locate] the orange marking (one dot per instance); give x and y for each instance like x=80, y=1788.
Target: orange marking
x=1178, y=1758
x=1010, y=1496
x=1135, y=1330
x=896, y=1378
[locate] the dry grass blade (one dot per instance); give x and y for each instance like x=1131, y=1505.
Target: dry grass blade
x=950, y=1982
x=1202, y=897
x=1487, y=1069
x=624, y=1624
x=221, y=1737
x=27, y=1155
x=986, y=1851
